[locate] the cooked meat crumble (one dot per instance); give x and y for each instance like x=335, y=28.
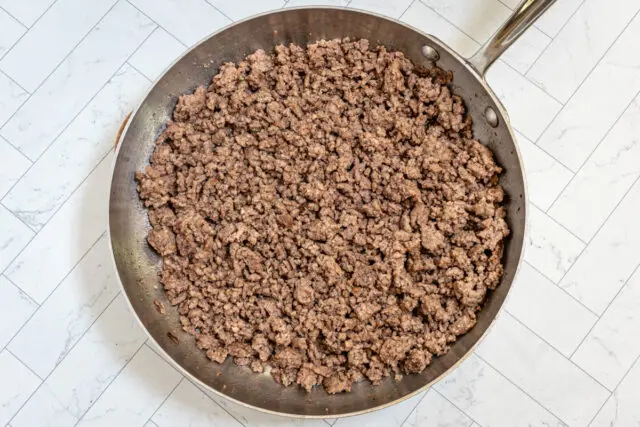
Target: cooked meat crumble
x=325, y=212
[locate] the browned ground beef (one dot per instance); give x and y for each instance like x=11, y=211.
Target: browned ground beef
x=325, y=212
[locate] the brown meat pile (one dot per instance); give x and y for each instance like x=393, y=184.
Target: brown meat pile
x=325, y=213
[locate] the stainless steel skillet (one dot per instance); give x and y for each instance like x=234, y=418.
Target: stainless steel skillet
x=138, y=265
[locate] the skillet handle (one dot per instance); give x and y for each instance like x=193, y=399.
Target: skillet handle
x=518, y=22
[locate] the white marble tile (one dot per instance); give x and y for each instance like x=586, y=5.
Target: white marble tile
x=606, y=177
x=12, y=98
x=610, y=257
x=14, y=164
x=44, y=408
x=511, y=4
x=254, y=418
x=436, y=411
x=135, y=394
x=478, y=18
x=187, y=406
x=542, y=372
x=392, y=9
x=81, y=297
x=296, y=3
x=16, y=385
x=14, y=236
x=237, y=10
x=46, y=186
x=156, y=53
x=87, y=370
x=150, y=424
x=26, y=12
x=546, y=177
x=80, y=76
x=15, y=309
x=40, y=51
x=66, y=237
x=563, y=323
x=522, y=54
x=490, y=399
x=197, y=18
x=612, y=346
x=598, y=103
x=425, y=19
x=574, y=52
x=393, y=416
x=621, y=409
x=549, y=247
x=556, y=16
x=10, y=31
x=529, y=108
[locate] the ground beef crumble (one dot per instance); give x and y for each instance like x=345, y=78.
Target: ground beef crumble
x=325, y=212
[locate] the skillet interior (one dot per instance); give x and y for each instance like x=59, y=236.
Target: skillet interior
x=138, y=265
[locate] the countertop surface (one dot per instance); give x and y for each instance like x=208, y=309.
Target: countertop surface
x=563, y=352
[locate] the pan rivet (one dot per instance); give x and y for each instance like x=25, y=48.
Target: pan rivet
x=491, y=116
x=430, y=53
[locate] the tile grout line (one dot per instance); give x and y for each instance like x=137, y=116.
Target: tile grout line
x=497, y=59
x=220, y=12
x=192, y=383
x=18, y=218
x=2, y=138
x=140, y=72
x=15, y=82
x=411, y=3
x=24, y=364
x=424, y=393
x=518, y=387
x=454, y=25
x=624, y=285
x=576, y=91
x=216, y=403
x=154, y=21
x=70, y=349
x=549, y=41
x=52, y=214
x=529, y=80
x=146, y=342
x=45, y=300
x=624, y=29
x=63, y=131
x=559, y=224
x=507, y=6
x=615, y=208
x=74, y=46
x=615, y=389
x=586, y=160
x=22, y=24
x=473, y=420
x=28, y=28
x=561, y=288
x=556, y=350
x=34, y=302
x=554, y=37
x=57, y=66
x=167, y=396
x=97, y=398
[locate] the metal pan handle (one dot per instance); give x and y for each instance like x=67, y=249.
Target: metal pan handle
x=518, y=22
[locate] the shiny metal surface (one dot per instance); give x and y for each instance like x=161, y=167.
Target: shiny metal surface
x=525, y=15
x=138, y=265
